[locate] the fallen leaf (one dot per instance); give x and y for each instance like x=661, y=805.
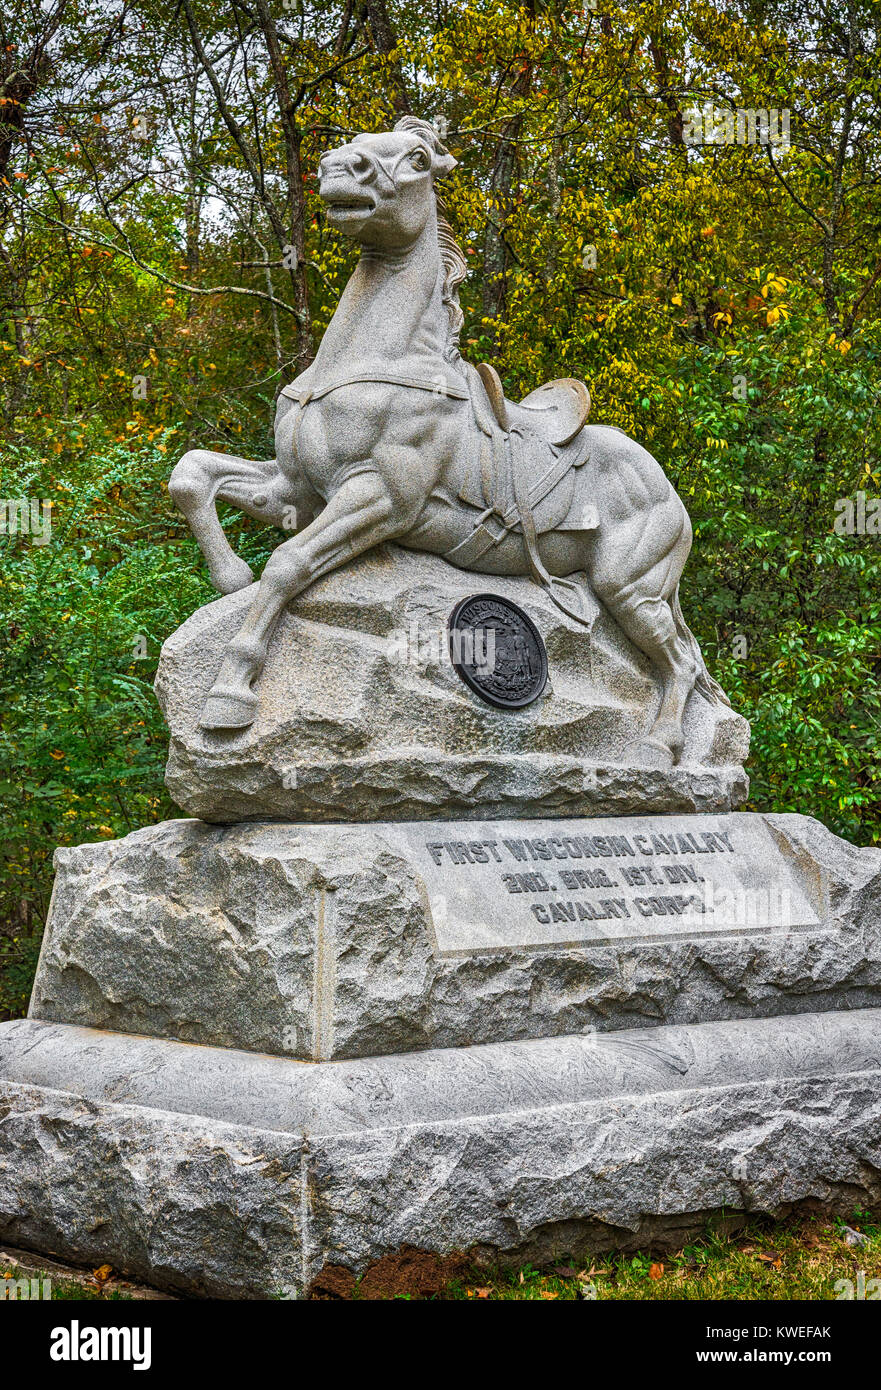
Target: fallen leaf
x=563, y=1271
x=771, y=1257
x=656, y=1271
x=102, y=1274
x=546, y=1293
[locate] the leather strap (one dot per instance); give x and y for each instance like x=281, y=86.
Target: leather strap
x=527, y=520
x=304, y=396
x=552, y=585
x=483, y=537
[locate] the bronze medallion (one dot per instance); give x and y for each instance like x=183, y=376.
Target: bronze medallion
x=497, y=651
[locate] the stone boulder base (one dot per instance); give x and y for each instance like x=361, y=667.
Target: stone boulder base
x=235, y=1175
x=362, y=716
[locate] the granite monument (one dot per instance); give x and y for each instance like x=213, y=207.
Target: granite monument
x=462, y=944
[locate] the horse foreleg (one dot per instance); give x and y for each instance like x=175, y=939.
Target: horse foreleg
x=359, y=515
x=200, y=480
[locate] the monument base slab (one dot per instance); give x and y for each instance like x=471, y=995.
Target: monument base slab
x=327, y=941
x=232, y=1174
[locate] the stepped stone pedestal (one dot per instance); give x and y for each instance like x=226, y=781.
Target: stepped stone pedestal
x=234, y=1173
x=423, y=972
x=255, y=1050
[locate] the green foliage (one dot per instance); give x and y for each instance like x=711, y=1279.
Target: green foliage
x=768, y=572
x=82, y=742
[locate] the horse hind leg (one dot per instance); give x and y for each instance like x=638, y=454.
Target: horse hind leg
x=259, y=488
x=643, y=610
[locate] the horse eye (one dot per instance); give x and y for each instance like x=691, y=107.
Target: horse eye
x=419, y=160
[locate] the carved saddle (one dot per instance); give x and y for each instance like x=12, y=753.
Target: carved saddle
x=524, y=452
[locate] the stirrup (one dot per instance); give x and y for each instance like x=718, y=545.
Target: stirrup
x=578, y=609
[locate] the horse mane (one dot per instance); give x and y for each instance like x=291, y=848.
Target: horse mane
x=455, y=267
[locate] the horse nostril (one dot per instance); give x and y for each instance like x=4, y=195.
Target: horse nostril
x=354, y=163
x=361, y=166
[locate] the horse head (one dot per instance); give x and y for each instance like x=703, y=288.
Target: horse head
x=378, y=189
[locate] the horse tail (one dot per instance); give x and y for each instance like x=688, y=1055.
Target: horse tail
x=704, y=682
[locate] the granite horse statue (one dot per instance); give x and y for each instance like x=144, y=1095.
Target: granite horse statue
x=389, y=435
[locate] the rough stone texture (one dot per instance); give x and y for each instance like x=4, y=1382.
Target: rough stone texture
x=318, y=942
x=188, y=1205
x=125, y=1148
x=362, y=717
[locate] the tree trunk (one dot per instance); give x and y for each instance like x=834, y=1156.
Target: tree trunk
x=296, y=200
x=496, y=252
x=386, y=41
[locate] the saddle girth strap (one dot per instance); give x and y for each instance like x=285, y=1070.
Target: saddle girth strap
x=552, y=585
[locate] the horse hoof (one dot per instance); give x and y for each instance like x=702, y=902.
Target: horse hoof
x=652, y=752
x=232, y=577
x=228, y=712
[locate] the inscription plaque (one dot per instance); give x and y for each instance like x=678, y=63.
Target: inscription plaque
x=640, y=880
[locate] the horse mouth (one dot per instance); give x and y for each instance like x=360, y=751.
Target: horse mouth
x=347, y=204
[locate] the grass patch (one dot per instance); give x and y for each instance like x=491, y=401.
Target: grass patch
x=65, y=1287
x=778, y=1261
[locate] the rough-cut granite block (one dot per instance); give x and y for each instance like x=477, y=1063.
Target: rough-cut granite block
x=339, y=941
x=362, y=717
x=229, y=1173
